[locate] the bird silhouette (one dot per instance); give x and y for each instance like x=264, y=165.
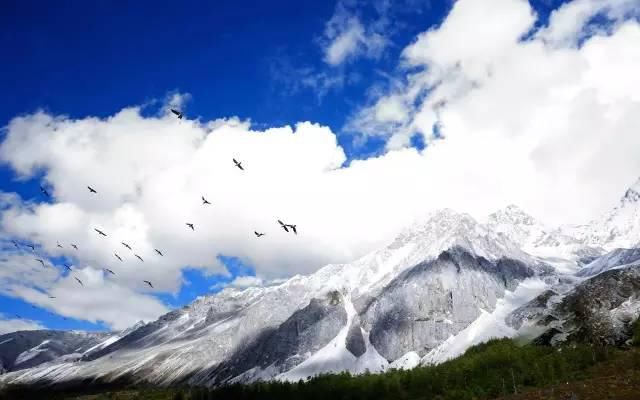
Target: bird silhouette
x=100, y=232
x=177, y=113
x=293, y=228
x=205, y=201
x=32, y=247
x=258, y=234
x=109, y=271
x=40, y=261
x=15, y=244
x=139, y=258
x=52, y=297
x=92, y=190
x=18, y=316
x=59, y=245
x=159, y=252
x=148, y=283
x=117, y=256
x=191, y=226
x=74, y=246
x=238, y=164
x=79, y=281
x=126, y=245
x=67, y=267
x=44, y=191
x=284, y=226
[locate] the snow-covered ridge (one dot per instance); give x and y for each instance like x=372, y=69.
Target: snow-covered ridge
x=442, y=284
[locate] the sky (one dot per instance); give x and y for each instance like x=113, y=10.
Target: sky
x=351, y=119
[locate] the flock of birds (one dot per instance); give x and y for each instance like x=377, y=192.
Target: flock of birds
x=287, y=228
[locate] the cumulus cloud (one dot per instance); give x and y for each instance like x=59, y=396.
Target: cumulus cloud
x=527, y=114
x=8, y=325
x=550, y=127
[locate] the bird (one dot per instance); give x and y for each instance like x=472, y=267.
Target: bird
x=205, y=201
x=139, y=258
x=74, y=246
x=79, y=281
x=15, y=244
x=92, y=190
x=59, y=245
x=100, y=232
x=52, y=297
x=109, y=271
x=284, y=226
x=293, y=228
x=40, y=261
x=117, y=256
x=159, y=252
x=148, y=283
x=177, y=113
x=18, y=316
x=44, y=191
x=67, y=267
x=258, y=234
x=126, y=245
x=32, y=247
x=191, y=226
x=238, y=164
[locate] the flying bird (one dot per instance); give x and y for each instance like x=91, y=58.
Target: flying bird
x=177, y=113
x=258, y=234
x=59, y=245
x=191, y=226
x=117, y=256
x=92, y=190
x=293, y=228
x=15, y=244
x=17, y=316
x=32, y=247
x=139, y=258
x=67, y=267
x=74, y=246
x=79, y=281
x=205, y=201
x=109, y=271
x=44, y=191
x=52, y=297
x=284, y=226
x=100, y=232
x=148, y=283
x=238, y=164
x=159, y=252
x=126, y=245
x=40, y=261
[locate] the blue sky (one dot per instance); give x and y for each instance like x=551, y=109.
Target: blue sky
x=235, y=58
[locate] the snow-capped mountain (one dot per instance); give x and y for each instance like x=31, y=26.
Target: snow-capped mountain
x=443, y=284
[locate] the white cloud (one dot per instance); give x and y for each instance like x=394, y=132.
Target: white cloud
x=101, y=298
x=551, y=128
x=8, y=325
x=346, y=37
x=246, y=281
x=567, y=24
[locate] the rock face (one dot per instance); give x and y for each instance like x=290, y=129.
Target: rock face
x=436, y=299
x=441, y=284
x=26, y=349
x=598, y=310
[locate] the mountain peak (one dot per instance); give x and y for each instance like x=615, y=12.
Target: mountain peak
x=632, y=195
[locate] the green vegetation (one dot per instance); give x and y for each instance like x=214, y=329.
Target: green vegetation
x=497, y=368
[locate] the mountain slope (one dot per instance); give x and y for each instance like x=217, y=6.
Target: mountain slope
x=443, y=284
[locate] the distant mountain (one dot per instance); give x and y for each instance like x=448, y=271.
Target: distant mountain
x=442, y=285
